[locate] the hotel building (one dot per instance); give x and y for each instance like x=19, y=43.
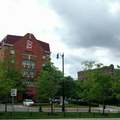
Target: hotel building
x=28, y=55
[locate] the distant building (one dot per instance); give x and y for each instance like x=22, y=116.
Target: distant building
x=27, y=54
x=82, y=75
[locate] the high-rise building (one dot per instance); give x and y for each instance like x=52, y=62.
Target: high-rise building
x=27, y=54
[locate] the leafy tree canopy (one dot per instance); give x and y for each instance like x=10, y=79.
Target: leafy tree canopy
x=48, y=81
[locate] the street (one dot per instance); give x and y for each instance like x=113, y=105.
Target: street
x=21, y=108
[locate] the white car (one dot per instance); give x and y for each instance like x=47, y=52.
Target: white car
x=28, y=102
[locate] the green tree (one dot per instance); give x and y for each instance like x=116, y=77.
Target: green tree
x=48, y=81
x=87, y=91
x=103, y=86
x=9, y=78
x=99, y=85
x=69, y=87
x=86, y=87
x=116, y=85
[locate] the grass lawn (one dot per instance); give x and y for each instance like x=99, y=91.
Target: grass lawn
x=46, y=115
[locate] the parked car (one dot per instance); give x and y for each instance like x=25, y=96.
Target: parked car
x=28, y=102
x=56, y=101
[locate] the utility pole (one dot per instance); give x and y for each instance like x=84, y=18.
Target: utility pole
x=63, y=85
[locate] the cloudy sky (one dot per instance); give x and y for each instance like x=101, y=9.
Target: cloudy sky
x=82, y=29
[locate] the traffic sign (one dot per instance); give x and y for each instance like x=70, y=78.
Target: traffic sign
x=13, y=92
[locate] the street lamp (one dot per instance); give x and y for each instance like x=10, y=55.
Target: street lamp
x=63, y=95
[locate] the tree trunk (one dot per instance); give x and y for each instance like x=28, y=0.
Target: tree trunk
x=6, y=101
x=103, y=107
x=89, y=110
x=51, y=107
x=5, y=107
x=40, y=108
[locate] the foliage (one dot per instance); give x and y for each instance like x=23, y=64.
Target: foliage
x=87, y=85
x=88, y=64
x=116, y=84
x=102, y=83
x=103, y=86
x=48, y=81
x=9, y=78
x=69, y=87
x=98, y=85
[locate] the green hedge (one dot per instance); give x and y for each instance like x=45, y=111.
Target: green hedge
x=46, y=115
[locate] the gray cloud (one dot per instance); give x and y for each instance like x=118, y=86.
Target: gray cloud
x=89, y=23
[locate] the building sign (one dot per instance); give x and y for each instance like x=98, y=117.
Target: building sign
x=29, y=45
x=13, y=92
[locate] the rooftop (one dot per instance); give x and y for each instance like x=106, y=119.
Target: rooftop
x=12, y=39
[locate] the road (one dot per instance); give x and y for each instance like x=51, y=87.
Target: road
x=21, y=108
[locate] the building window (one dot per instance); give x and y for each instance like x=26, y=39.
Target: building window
x=12, y=52
x=28, y=73
x=28, y=82
x=28, y=68
x=44, y=57
x=12, y=61
x=28, y=64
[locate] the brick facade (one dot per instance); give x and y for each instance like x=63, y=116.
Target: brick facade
x=82, y=75
x=28, y=54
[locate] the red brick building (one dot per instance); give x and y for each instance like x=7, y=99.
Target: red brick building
x=28, y=54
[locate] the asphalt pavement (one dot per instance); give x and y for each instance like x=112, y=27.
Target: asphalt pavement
x=22, y=108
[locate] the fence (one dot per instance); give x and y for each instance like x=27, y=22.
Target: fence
x=76, y=108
